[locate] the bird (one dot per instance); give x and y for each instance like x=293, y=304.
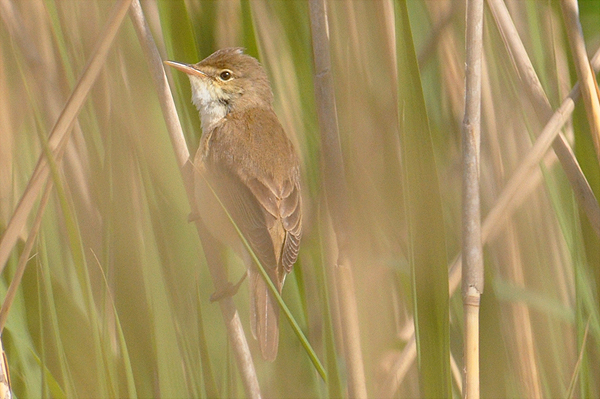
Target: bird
x=246, y=170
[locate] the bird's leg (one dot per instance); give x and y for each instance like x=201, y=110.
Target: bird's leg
x=228, y=291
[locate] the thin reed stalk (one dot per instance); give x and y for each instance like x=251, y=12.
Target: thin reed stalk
x=589, y=86
x=472, y=249
x=337, y=196
x=231, y=318
x=536, y=94
x=511, y=197
x=61, y=131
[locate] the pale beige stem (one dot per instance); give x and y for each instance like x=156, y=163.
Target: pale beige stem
x=534, y=90
x=471, y=346
x=472, y=247
x=337, y=196
x=587, y=79
x=24, y=258
x=235, y=331
x=61, y=131
x=511, y=198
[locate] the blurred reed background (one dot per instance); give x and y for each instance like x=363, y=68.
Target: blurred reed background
x=114, y=300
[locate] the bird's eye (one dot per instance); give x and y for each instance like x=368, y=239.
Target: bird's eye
x=225, y=75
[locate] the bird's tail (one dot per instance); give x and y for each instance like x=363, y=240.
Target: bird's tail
x=264, y=316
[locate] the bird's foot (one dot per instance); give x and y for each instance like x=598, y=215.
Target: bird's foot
x=228, y=291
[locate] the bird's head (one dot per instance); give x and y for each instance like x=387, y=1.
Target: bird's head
x=227, y=80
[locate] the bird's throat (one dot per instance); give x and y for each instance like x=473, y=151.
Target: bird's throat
x=207, y=100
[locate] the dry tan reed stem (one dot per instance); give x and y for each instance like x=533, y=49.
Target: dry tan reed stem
x=472, y=248
x=577, y=367
x=456, y=373
x=587, y=79
x=24, y=257
x=337, y=198
x=471, y=305
x=506, y=203
x=5, y=388
x=581, y=187
x=437, y=33
x=231, y=317
x=13, y=23
x=399, y=368
x=61, y=131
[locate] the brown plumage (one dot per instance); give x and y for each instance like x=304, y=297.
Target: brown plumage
x=249, y=162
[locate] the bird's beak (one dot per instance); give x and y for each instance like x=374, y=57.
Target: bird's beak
x=187, y=68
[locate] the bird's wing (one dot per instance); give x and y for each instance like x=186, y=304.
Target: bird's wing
x=261, y=189
x=283, y=209
x=248, y=215
x=270, y=219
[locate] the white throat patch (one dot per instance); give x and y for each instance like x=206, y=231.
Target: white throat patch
x=205, y=97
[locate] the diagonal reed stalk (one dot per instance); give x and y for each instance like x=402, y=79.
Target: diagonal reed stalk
x=132, y=326
x=61, y=131
x=511, y=197
x=230, y=314
x=589, y=86
x=534, y=90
